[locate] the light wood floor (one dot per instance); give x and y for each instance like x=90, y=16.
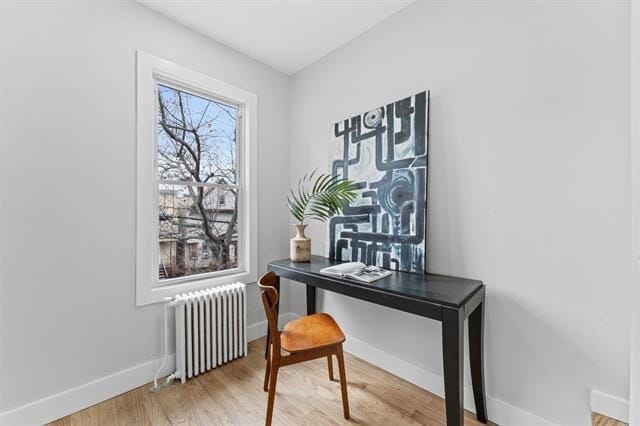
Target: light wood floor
x=232, y=395
x=600, y=420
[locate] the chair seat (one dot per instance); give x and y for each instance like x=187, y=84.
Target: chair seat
x=310, y=332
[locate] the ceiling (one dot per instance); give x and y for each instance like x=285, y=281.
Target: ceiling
x=286, y=35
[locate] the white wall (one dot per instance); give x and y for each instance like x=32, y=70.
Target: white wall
x=634, y=373
x=67, y=99
x=528, y=189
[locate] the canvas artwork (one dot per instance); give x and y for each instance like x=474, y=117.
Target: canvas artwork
x=385, y=151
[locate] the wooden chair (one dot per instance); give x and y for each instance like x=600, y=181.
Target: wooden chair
x=304, y=339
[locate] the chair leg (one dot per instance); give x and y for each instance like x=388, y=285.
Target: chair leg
x=343, y=381
x=273, y=377
x=330, y=365
x=266, y=370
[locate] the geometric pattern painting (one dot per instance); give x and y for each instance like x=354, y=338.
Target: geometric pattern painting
x=385, y=152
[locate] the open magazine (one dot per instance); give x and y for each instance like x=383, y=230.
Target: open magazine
x=356, y=271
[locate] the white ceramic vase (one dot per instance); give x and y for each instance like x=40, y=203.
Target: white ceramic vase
x=300, y=245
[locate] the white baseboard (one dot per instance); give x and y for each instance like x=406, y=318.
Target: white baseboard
x=498, y=411
x=609, y=405
x=75, y=399
x=78, y=398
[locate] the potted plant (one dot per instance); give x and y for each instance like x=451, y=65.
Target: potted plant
x=319, y=197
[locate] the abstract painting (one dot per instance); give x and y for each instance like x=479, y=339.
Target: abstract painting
x=385, y=152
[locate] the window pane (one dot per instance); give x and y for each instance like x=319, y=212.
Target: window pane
x=198, y=230
x=196, y=138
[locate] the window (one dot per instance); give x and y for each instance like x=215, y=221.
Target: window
x=196, y=221
x=193, y=255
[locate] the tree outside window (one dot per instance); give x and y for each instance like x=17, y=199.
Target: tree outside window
x=198, y=189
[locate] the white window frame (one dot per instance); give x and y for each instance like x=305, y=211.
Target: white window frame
x=150, y=71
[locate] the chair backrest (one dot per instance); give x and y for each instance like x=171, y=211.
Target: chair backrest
x=269, y=301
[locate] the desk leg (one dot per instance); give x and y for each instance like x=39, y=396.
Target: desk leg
x=476, y=358
x=452, y=349
x=277, y=287
x=311, y=300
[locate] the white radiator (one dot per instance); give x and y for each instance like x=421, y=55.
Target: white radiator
x=211, y=328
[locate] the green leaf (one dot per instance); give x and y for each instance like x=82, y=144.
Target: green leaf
x=320, y=196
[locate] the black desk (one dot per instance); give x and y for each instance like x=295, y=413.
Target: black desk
x=446, y=299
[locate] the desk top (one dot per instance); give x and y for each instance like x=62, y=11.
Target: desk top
x=439, y=289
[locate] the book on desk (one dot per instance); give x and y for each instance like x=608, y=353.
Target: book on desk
x=356, y=271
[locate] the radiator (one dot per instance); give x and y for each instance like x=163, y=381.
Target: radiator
x=211, y=329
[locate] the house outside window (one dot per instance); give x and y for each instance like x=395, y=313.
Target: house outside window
x=196, y=171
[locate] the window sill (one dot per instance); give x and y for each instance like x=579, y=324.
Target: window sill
x=157, y=294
